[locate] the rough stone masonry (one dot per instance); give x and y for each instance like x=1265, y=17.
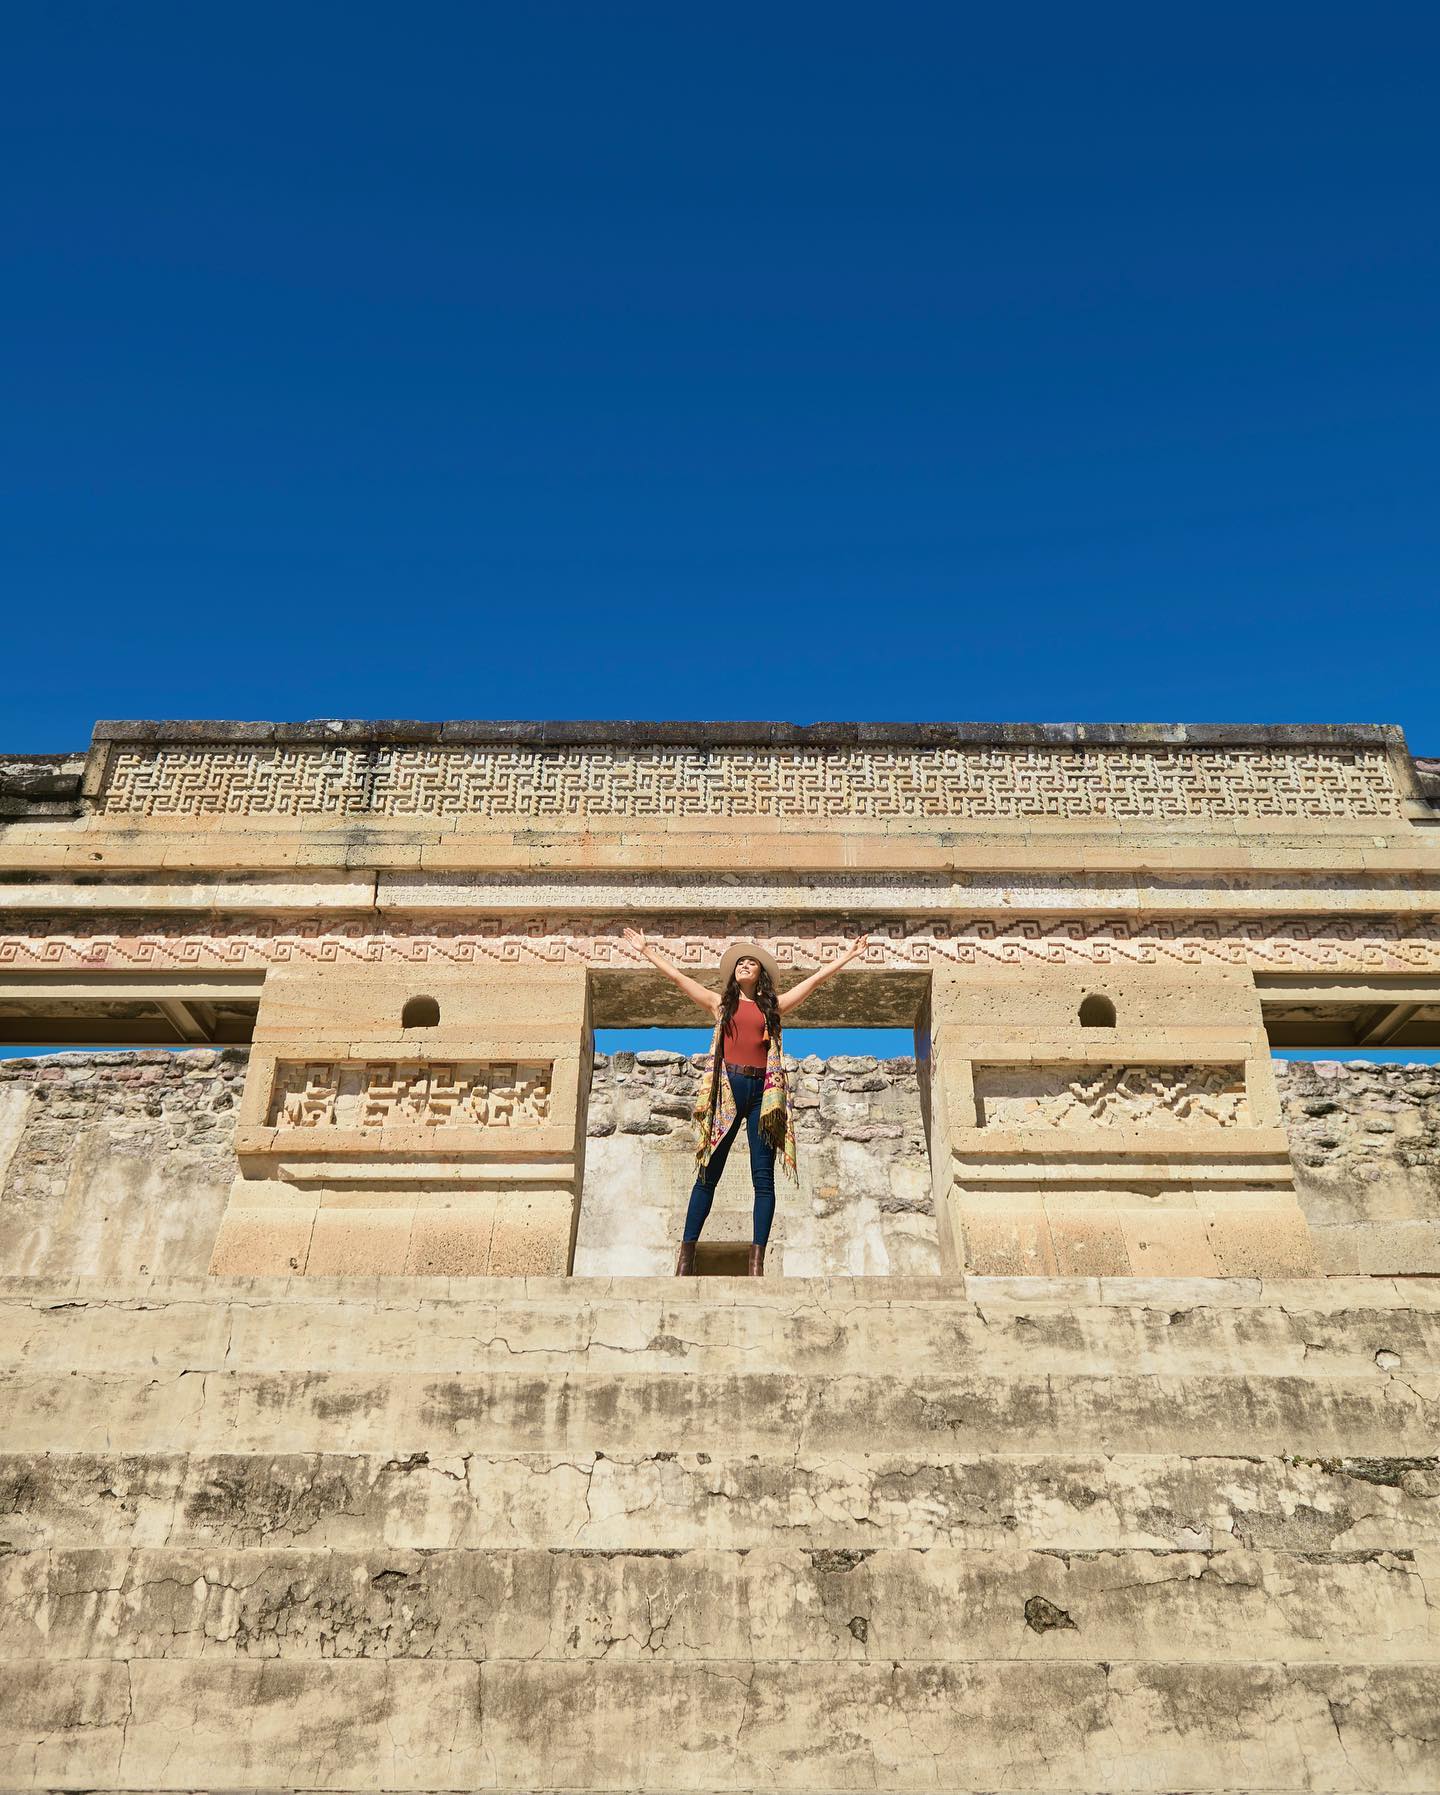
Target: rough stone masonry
x=121, y=1163
x=1080, y=1437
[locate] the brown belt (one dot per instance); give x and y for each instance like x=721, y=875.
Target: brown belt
x=755, y=1071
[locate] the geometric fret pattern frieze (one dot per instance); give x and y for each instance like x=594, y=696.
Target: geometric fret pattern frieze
x=61, y=941
x=1162, y=784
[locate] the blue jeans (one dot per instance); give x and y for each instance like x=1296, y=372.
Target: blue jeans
x=747, y=1088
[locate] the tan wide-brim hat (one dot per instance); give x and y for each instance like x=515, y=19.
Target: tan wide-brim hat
x=739, y=950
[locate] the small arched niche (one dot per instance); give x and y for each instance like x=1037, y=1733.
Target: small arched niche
x=1097, y=1012
x=420, y=1012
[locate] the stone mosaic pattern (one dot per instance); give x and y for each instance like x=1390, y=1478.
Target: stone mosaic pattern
x=547, y=938
x=1062, y=782
x=1133, y=1096
x=389, y=1093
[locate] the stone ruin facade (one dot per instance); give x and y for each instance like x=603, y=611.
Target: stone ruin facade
x=1081, y=1436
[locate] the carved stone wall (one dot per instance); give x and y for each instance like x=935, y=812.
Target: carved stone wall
x=394, y=1124
x=384, y=1093
x=1169, y=784
x=1075, y=1096
x=1329, y=944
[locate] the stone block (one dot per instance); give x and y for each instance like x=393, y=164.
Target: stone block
x=452, y=1242
x=365, y=1003
x=269, y=1193
x=1169, y=1243
x=1262, y=1242
x=1337, y=1249
x=360, y=1242
x=1401, y=1249
x=262, y=1243
x=1088, y=1243
x=1007, y=1243
x=532, y=1234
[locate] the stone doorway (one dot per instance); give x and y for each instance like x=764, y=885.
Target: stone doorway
x=864, y=1205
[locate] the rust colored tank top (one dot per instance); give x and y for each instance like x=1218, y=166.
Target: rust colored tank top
x=745, y=1042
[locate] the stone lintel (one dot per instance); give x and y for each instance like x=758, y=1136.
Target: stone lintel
x=386, y=732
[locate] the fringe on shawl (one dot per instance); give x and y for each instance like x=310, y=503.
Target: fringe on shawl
x=777, y=1127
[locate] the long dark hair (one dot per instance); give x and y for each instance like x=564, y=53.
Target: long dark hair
x=764, y=996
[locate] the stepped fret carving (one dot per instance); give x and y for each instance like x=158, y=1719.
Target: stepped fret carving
x=412, y=1093
x=1162, y=784
x=1296, y=943
x=1059, y=1096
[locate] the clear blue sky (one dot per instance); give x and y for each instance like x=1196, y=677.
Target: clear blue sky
x=627, y=360
x=1036, y=362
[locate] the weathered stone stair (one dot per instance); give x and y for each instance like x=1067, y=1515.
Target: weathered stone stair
x=720, y=1535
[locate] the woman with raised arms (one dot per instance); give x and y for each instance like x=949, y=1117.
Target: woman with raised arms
x=745, y=1082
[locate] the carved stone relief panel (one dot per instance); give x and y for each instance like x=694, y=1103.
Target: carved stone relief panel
x=1075, y=1096
x=408, y=1093
x=1329, y=944
x=1065, y=782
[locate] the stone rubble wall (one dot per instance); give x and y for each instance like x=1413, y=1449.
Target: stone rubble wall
x=1365, y=1144
x=116, y=1164
x=119, y=1164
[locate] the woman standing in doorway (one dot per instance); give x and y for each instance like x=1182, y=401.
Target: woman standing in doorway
x=745, y=1082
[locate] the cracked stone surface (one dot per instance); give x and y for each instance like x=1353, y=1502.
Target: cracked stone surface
x=772, y=1412
x=202, y=1330
x=763, y=1603
x=599, y=1535
x=728, y=1724
x=617, y=1501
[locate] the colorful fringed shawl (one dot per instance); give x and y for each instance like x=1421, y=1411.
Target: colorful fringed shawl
x=715, y=1112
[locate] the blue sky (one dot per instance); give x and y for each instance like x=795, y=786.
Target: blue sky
x=940, y=361
x=656, y=361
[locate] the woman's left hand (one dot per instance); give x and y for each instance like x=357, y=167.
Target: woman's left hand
x=856, y=948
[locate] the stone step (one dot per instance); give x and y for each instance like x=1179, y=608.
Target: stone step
x=940, y=1606
x=737, y=1725
x=684, y=1336
x=1376, y=1413
x=626, y=1501
x=1330, y=1294
x=287, y=1330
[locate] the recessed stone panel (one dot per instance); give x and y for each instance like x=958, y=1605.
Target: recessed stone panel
x=1107, y=1096
x=445, y=1095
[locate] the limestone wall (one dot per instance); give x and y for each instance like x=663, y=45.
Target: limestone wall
x=1365, y=1142
x=116, y=1164
x=864, y=1204
x=120, y=1164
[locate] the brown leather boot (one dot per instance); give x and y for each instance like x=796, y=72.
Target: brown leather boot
x=757, y=1262
x=685, y=1264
